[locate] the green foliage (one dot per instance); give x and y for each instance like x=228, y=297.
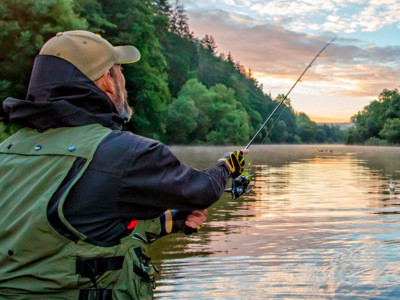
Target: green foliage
x=179, y=22
x=92, y=11
x=296, y=139
x=182, y=57
x=182, y=91
x=391, y=131
x=201, y=115
x=280, y=134
x=329, y=134
x=378, y=122
x=182, y=120
x=374, y=141
x=178, y=47
x=7, y=129
x=320, y=136
x=3, y=132
x=24, y=26
x=350, y=136
x=136, y=22
x=233, y=129
x=196, y=91
x=305, y=128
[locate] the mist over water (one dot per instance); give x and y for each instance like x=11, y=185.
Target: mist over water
x=320, y=223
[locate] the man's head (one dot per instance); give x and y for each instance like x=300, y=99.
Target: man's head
x=113, y=84
x=97, y=59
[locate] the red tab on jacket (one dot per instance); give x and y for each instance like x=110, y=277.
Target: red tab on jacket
x=132, y=224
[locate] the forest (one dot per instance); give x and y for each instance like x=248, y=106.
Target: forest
x=182, y=91
x=378, y=123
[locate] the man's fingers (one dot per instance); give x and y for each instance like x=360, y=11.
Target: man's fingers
x=199, y=214
x=245, y=151
x=192, y=224
x=196, y=218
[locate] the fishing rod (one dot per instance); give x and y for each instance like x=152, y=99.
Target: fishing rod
x=239, y=184
x=283, y=100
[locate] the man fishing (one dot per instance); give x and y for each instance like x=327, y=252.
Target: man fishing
x=81, y=199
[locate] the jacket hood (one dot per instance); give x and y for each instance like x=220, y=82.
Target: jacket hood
x=59, y=95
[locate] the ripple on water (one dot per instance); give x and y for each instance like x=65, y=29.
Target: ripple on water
x=316, y=227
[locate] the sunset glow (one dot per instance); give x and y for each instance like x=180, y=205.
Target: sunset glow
x=277, y=39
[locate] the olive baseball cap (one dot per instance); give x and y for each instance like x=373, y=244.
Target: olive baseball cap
x=89, y=52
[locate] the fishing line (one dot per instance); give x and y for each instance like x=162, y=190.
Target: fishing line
x=239, y=184
x=283, y=100
x=273, y=124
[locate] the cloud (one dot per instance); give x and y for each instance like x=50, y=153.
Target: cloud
x=337, y=16
x=294, y=8
x=273, y=51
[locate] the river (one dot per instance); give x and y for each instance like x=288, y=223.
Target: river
x=320, y=223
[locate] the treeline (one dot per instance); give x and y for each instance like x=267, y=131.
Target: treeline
x=182, y=90
x=378, y=123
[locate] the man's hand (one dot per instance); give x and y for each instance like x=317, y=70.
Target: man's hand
x=196, y=219
x=235, y=161
x=178, y=221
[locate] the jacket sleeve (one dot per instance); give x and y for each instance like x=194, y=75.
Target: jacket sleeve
x=155, y=180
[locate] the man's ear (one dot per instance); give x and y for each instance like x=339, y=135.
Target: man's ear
x=106, y=83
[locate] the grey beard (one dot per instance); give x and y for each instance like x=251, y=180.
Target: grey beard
x=121, y=103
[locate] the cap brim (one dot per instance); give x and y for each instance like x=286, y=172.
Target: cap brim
x=127, y=54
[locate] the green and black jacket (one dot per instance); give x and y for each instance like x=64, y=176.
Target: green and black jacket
x=104, y=179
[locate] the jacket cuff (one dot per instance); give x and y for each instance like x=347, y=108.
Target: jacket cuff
x=225, y=165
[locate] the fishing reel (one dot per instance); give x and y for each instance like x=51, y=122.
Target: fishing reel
x=239, y=185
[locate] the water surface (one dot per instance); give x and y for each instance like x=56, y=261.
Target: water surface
x=320, y=223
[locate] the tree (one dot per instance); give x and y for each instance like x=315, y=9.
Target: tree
x=332, y=134
x=391, y=131
x=179, y=22
x=208, y=115
x=279, y=133
x=182, y=120
x=233, y=128
x=179, y=79
x=320, y=136
x=375, y=120
x=202, y=98
x=134, y=22
x=223, y=100
x=24, y=26
x=305, y=128
x=209, y=44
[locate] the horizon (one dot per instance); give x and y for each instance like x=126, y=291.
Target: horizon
x=277, y=39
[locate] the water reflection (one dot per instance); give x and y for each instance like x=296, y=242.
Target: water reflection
x=320, y=223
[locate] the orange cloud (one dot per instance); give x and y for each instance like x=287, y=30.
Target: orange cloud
x=344, y=69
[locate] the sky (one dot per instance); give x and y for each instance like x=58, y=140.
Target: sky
x=277, y=39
